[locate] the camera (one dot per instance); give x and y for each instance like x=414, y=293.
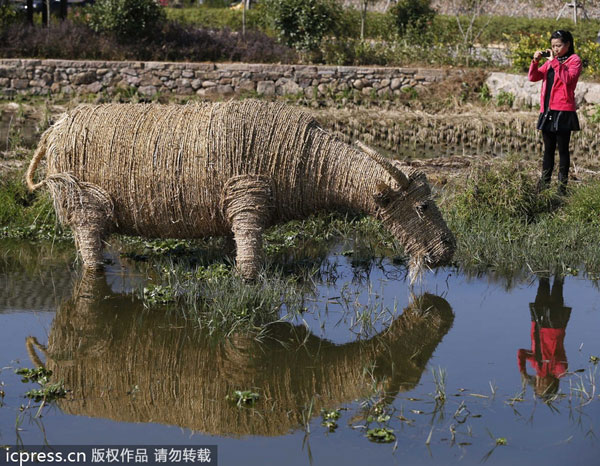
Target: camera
x=546, y=53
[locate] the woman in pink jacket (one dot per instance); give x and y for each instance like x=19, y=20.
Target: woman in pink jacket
x=559, y=75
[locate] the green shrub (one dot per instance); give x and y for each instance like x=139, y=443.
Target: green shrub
x=522, y=52
x=349, y=51
x=127, y=19
x=219, y=18
x=416, y=14
x=505, y=99
x=7, y=15
x=302, y=23
x=590, y=58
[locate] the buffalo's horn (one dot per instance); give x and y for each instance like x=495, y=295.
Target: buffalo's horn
x=400, y=177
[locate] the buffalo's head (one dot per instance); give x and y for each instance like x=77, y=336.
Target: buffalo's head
x=407, y=209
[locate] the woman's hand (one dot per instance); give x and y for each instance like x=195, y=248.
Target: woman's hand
x=540, y=53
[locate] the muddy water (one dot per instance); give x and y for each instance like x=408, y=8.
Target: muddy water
x=368, y=345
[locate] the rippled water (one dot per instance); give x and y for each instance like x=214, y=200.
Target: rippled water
x=368, y=345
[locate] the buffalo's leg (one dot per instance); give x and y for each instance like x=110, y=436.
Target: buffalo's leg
x=247, y=206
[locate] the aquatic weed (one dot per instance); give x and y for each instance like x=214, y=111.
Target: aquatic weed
x=439, y=379
x=219, y=300
x=381, y=435
x=39, y=375
x=330, y=419
x=159, y=295
x=47, y=391
x=243, y=398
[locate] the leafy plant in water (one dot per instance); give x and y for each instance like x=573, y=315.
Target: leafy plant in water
x=243, y=398
x=39, y=375
x=213, y=272
x=381, y=435
x=47, y=391
x=330, y=419
x=159, y=294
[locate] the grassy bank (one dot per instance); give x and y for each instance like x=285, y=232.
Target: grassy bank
x=503, y=224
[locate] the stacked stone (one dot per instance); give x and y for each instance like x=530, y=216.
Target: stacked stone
x=40, y=77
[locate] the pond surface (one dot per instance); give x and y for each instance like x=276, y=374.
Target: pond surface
x=437, y=364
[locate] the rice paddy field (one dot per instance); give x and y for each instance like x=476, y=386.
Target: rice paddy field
x=331, y=356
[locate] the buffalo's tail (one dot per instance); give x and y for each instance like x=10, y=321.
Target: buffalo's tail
x=37, y=157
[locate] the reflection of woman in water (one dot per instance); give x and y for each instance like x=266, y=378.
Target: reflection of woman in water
x=549, y=318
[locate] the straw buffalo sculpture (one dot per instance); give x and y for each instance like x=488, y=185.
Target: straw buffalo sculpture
x=220, y=168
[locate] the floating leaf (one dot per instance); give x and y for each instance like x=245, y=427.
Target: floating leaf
x=381, y=435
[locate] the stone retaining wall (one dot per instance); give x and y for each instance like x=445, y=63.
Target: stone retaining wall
x=528, y=93
x=20, y=76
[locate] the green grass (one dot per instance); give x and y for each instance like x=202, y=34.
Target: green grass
x=25, y=215
x=216, y=299
x=504, y=225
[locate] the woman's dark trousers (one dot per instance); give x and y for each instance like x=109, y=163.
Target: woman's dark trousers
x=551, y=140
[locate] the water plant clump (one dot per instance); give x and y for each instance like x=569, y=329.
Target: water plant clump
x=39, y=375
x=159, y=295
x=381, y=435
x=243, y=398
x=329, y=419
x=217, y=299
x=48, y=391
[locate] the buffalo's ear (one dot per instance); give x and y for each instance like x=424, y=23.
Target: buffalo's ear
x=382, y=195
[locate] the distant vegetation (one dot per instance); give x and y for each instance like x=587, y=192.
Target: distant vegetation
x=309, y=31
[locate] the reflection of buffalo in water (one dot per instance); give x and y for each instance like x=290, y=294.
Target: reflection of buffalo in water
x=134, y=366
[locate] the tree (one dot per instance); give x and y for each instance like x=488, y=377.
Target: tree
x=363, y=17
x=302, y=23
x=414, y=13
x=472, y=10
x=128, y=19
